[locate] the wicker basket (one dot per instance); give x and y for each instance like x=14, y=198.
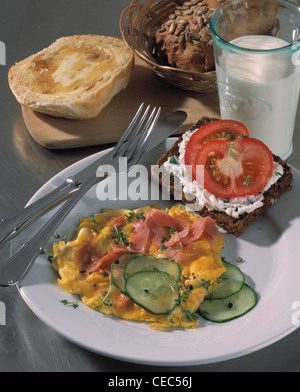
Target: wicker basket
x=138, y=24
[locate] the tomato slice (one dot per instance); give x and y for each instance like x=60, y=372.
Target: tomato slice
x=235, y=169
x=215, y=130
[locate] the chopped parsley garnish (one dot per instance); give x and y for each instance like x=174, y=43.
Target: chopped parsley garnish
x=164, y=247
x=132, y=215
x=278, y=174
x=205, y=283
x=171, y=231
x=248, y=181
x=183, y=297
x=108, y=302
x=61, y=237
x=73, y=304
x=120, y=236
x=169, y=234
x=174, y=160
x=105, y=301
x=190, y=315
x=232, y=144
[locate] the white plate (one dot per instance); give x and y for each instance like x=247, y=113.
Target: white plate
x=271, y=266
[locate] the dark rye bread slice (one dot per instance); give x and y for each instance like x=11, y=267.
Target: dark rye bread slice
x=235, y=226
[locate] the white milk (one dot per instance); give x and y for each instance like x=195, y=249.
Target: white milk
x=261, y=90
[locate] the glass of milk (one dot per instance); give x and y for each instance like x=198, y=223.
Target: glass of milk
x=257, y=56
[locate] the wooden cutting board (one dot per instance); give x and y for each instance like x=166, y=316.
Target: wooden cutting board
x=109, y=125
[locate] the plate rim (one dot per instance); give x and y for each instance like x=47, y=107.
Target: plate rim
x=132, y=358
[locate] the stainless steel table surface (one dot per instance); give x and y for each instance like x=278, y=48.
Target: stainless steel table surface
x=27, y=344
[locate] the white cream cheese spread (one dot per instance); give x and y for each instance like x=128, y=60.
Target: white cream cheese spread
x=232, y=207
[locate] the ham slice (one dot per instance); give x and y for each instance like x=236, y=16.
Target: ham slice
x=154, y=229
x=120, y=221
x=103, y=263
x=123, y=303
x=140, y=237
x=94, y=262
x=160, y=223
x=157, y=225
x=106, y=261
x=202, y=227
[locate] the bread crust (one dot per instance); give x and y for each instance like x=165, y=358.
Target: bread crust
x=75, y=77
x=235, y=226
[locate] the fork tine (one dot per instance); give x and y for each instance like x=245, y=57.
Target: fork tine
x=134, y=141
x=145, y=137
x=140, y=124
x=127, y=132
x=125, y=147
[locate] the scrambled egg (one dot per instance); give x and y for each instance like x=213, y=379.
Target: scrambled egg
x=84, y=263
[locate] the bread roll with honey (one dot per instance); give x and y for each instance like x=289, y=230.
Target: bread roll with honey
x=75, y=77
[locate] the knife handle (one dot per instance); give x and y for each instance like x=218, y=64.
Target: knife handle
x=15, y=267
x=11, y=226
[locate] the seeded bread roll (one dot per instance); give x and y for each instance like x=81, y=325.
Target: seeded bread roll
x=235, y=226
x=184, y=41
x=75, y=77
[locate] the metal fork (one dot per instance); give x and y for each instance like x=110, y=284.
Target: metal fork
x=14, y=268
x=11, y=226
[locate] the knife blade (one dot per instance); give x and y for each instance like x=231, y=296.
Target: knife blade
x=11, y=226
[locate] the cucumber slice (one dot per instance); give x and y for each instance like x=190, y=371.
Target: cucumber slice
x=154, y=291
x=117, y=269
x=230, y=282
x=222, y=310
x=150, y=263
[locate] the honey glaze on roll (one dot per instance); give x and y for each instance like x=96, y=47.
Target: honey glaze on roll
x=70, y=71
x=76, y=77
